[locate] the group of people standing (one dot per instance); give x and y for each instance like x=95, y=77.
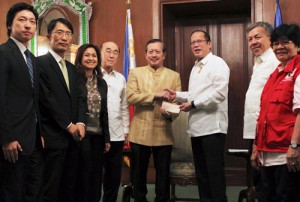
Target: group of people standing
x=55, y=135
x=271, y=118
x=63, y=125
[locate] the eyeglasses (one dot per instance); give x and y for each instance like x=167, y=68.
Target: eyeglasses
x=62, y=33
x=283, y=43
x=109, y=52
x=193, y=43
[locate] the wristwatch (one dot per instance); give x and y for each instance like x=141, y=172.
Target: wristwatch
x=294, y=145
x=193, y=105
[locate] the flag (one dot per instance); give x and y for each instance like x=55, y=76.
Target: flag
x=128, y=63
x=278, y=17
x=129, y=54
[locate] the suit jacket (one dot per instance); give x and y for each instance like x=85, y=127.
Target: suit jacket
x=102, y=88
x=148, y=126
x=19, y=111
x=59, y=106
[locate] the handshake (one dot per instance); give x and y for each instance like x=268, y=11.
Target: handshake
x=167, y=95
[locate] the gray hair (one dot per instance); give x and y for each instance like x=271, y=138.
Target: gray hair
x=267, y=26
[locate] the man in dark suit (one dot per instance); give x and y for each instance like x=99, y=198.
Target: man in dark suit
x=20, y=158
x=63, y=110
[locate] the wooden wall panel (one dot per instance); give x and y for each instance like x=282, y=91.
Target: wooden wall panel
x=108, y=24
x=4, y=7
x=289, y=10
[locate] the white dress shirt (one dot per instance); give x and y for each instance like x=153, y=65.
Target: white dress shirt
x=263, y=67
x=208, y=88
x=118, y=112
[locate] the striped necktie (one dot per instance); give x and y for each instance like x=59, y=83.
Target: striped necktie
x=65, y=72
x=30, y=67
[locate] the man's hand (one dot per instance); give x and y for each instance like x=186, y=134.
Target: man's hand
x=186, y=106
x=107, y=147
x=255, y=158
x=80, y=131
x=74, y=131
x=43, y=142
x=11, y=151
x=172, y=93
x=164, y=95
x=165, y=113
x=293, y=159
x=161, y=95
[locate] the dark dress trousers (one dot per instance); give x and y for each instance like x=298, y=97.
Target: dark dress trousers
x=59, y=107
x=19, y=121
x=91, y=153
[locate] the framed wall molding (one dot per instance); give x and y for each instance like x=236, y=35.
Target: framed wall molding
x=78, y=7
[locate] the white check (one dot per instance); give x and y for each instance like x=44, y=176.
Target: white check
x=170, y=107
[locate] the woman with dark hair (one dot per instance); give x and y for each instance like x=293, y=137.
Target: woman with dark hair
x=96, y=141
x=276, y=148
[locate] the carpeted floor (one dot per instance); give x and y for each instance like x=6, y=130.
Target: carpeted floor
x=187, y=192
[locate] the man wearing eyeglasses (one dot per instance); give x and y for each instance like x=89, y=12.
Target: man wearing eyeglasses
x=63, y=110
x=118, y=115
x=206, y=102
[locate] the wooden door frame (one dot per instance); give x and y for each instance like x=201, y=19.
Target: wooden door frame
x=234, y=173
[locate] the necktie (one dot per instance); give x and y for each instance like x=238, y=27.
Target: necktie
x=29, y=65
x=65, y=72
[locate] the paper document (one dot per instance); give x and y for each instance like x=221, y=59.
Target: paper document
x=170, y=107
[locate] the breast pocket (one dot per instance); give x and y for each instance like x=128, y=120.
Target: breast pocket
x=283, y=93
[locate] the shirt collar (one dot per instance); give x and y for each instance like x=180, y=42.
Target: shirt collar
x=20, y=45
x=290, y=66
x=204, y=60
x=104, y=72
x=263, y=57
x=153, y=70
x=55, y=55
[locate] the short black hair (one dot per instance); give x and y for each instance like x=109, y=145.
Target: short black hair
x=206, y=35
x=154, y=41
x=53, y=23
x=267, y=26
x=291, y=31
x=14, y=10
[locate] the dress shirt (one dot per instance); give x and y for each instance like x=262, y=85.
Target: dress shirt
x=263, y=67
x=208, y=89
x=118, y=112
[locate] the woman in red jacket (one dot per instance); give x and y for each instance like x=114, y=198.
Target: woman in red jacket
x=276, y=147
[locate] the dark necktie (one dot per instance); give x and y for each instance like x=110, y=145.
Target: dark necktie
x=29, y=65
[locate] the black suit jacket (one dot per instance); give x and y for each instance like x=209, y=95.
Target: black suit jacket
x=59, y=106
x=102, y=87
x=19, y=111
